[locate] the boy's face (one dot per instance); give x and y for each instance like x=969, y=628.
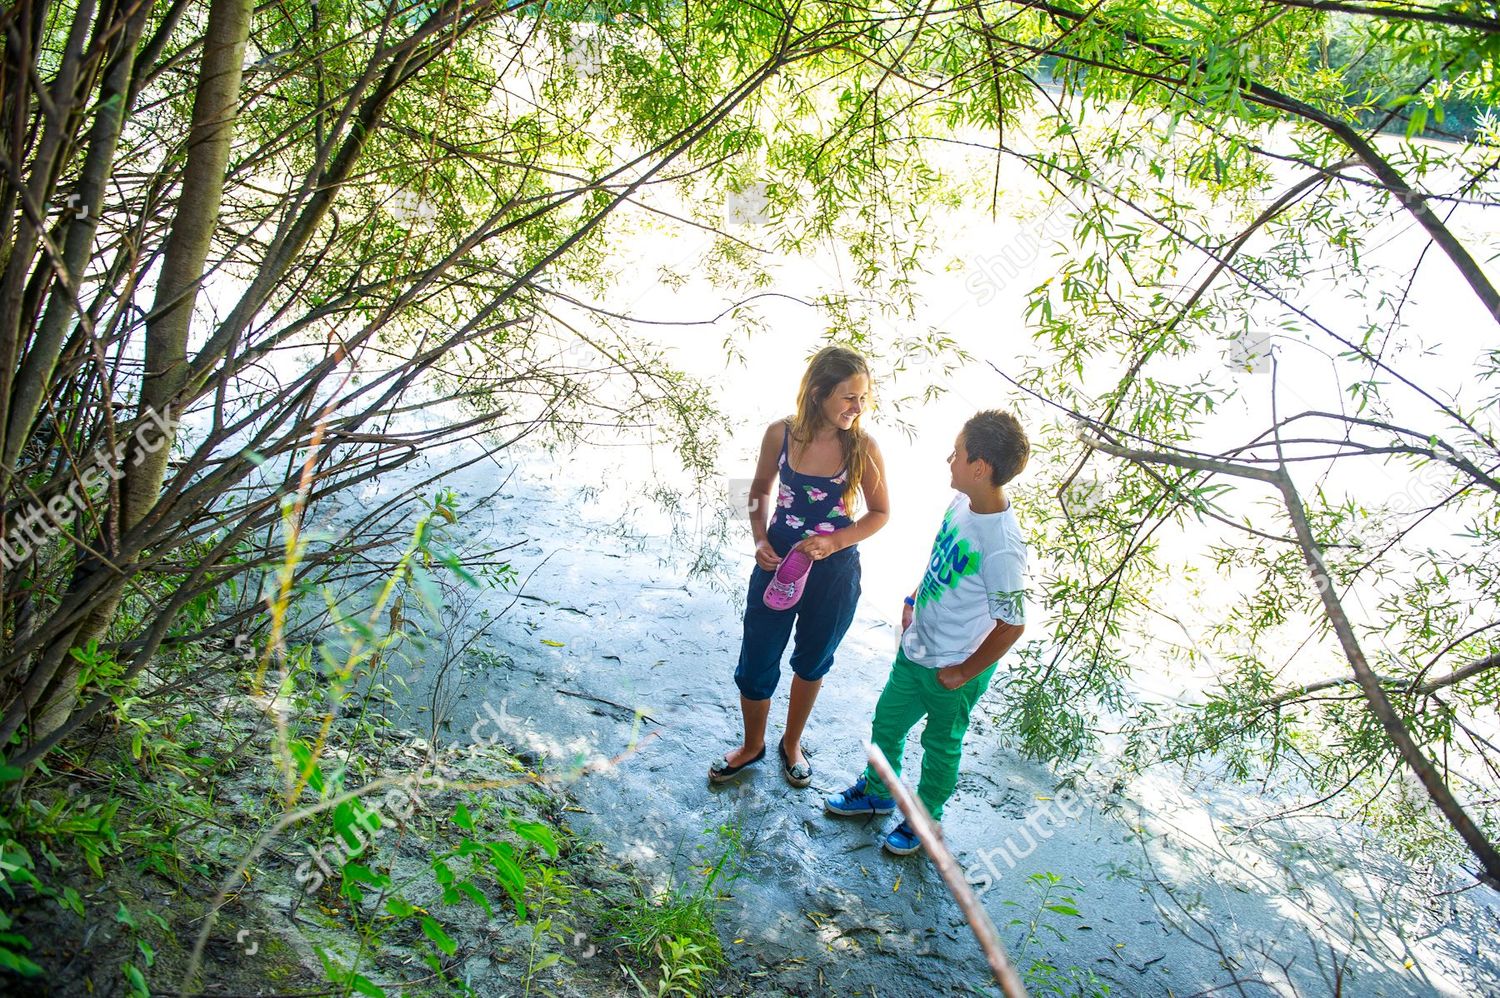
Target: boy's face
x=966, y=473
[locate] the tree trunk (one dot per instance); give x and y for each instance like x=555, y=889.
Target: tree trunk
x=32, y=380
x=214, y=109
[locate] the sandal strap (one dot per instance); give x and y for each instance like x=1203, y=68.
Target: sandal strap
x=799, y=771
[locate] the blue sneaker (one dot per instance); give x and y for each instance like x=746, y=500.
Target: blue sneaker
x=902, y=840
x=855, y=801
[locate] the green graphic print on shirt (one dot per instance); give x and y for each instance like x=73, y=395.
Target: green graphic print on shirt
x=953, y=558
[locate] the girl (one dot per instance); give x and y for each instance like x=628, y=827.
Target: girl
x=823, y=461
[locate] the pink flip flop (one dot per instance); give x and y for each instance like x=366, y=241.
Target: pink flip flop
x=783, y=592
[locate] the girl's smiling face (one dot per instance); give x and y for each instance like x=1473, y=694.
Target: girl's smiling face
x=847, y=400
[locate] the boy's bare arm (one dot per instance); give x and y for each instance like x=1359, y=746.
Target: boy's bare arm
x=995, y=644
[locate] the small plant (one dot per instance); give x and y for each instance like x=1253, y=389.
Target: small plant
x=51, y=829
x=1042, y=976
x=550, y=893
x=378, y=904
x=674, y=932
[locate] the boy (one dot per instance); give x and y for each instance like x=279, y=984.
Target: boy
x=964, y=616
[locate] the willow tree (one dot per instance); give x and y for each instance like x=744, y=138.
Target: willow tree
x=1215, y=164
x=248, y=251
x=387, y=191
x=1212, y=163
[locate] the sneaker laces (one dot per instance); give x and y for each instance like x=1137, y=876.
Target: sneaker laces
x=855, y=794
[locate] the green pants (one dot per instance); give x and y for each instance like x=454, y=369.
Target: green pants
x=910, y=693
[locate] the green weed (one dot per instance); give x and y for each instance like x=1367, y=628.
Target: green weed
x=674, y=931
x=1050, y=907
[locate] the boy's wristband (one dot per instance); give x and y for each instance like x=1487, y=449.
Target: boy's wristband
x=910, y=602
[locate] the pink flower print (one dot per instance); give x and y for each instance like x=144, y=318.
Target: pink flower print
x=843, y=477
x=794, y=522
x=815, y=494
x=807, y=533
x=784, y=496
x=838, y=510
x=825, y=528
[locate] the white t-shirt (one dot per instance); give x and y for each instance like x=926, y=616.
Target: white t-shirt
x=973, y=578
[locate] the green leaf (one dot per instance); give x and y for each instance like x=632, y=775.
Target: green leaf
x=365, y=986
x=512, y=878
x=432, y=930
x=364, y=875
x=463, y=819
x=1417, y=123
x=137, y=979
x=356, y=825
x=427, y=589
x=307, y=766
x=537, y=833
x=474, y=894
x=16, y=963
x=451, y=562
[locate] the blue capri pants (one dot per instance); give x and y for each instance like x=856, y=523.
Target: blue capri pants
x=820, y=617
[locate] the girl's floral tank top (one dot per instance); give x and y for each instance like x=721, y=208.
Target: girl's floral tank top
x=806, y=504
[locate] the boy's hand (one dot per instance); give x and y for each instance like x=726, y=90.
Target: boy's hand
x=766, y=556
x=817, y=547
x=951, y=677
x=906, y=616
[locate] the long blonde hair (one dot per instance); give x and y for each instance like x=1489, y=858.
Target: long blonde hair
x=829, y=367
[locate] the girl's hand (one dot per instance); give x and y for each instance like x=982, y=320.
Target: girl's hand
x=817, y=547
x=766, y=556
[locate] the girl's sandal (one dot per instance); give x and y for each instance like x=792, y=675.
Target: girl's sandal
x=785, y=587
x=799, y=775
x=722, y=772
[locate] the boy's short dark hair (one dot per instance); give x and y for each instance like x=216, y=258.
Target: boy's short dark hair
x=996, y=436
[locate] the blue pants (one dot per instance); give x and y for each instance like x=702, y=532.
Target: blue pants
x=821, y=617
